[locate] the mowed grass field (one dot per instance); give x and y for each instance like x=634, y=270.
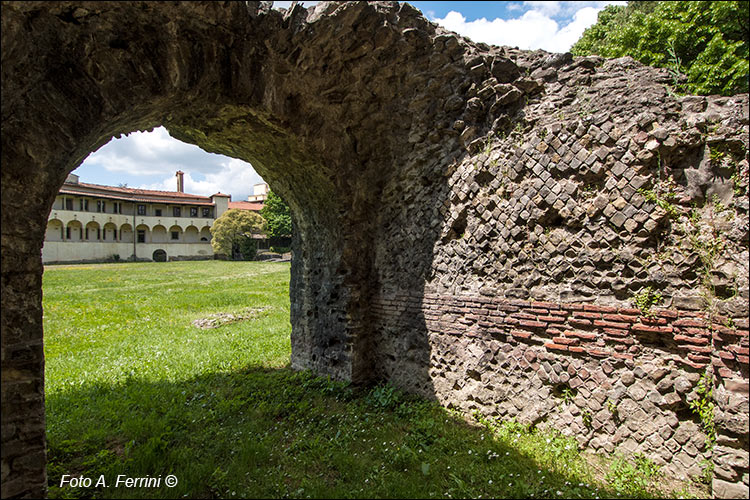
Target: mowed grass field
x=134, y=389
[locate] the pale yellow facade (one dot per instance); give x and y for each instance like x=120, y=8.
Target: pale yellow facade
x=89, y=222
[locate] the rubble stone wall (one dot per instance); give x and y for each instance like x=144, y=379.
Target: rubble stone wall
x=614, y=379
x=560, y=240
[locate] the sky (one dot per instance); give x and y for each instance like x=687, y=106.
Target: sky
x=149, y=160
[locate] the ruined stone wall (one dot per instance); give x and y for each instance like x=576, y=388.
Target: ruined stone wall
x=471, y=223
x=597, y=189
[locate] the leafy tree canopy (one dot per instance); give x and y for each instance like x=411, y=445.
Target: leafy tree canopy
x=230, y=231
x=706, y=41
x=277, y=215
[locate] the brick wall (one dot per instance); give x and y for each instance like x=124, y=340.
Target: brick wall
x=613, y=378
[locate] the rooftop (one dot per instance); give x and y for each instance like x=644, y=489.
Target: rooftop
x=134, y=194
x=245, y=205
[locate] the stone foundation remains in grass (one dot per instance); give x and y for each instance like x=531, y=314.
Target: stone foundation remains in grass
x=524, y=234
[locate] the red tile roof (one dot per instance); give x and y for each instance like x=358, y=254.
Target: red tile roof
x=135, y=194
x=245, y=205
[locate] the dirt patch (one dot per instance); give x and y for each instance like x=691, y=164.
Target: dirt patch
x=220, y=319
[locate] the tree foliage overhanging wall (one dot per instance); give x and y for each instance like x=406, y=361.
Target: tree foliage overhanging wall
x=705, y=41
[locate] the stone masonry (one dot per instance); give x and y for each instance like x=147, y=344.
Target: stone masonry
x=526, y=235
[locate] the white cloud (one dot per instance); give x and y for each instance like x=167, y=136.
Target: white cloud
x=547, y=8
x=534, y=29
x=152, y=153
x=236, y=177
x=143, y=156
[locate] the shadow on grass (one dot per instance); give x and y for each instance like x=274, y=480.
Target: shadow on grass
x=264, y=432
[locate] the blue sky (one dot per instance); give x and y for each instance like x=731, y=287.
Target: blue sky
x=149, y=160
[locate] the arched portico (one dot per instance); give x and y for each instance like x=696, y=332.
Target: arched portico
x=126, y=233
x=158, y=234
x=109, y=232
x=55, y=230
x=92, y=232
x=74, y=231
x=175, y=234
x=192, y=235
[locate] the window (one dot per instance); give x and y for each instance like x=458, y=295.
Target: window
x=80, y=205
x=175, y=235
x=193, y=211
x=117, y=208
x=206, y=212
x=98, y=233
x=157, y=212
x=67, y=233
x=141, y=236
x=68, y=203
x=177, y=211
x=87, y=233
x=141, y=209
x=114, y=234
x=99, y=205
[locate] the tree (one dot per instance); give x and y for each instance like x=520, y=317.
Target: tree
x=277, y=215
x=232, y=233
x=705, y=41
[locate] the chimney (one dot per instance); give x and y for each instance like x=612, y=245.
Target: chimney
x=180, y=182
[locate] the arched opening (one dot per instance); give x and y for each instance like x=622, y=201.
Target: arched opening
x=175, y=234
x=109, y=232
x=143, y=234
x=126, y=233
x=159, y=256
x=205, y=234
x=340, y=132
x=92, y=231
x=345, y=133
x=159, y=234
x=74, y=231
x=55, y=231
x=191, y=235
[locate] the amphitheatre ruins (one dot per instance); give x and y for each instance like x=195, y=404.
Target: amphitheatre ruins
x=481, y=225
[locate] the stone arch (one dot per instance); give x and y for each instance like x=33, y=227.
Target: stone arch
x=192, y=235
x=55, y=230
x=159, y=234
x=371, y=122
x=205, y=234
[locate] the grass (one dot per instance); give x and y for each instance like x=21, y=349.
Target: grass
x=134, y=389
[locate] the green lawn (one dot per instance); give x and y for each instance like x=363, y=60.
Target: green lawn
x=134, y=389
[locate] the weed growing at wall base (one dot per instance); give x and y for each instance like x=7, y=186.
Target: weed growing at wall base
x=134, y=389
